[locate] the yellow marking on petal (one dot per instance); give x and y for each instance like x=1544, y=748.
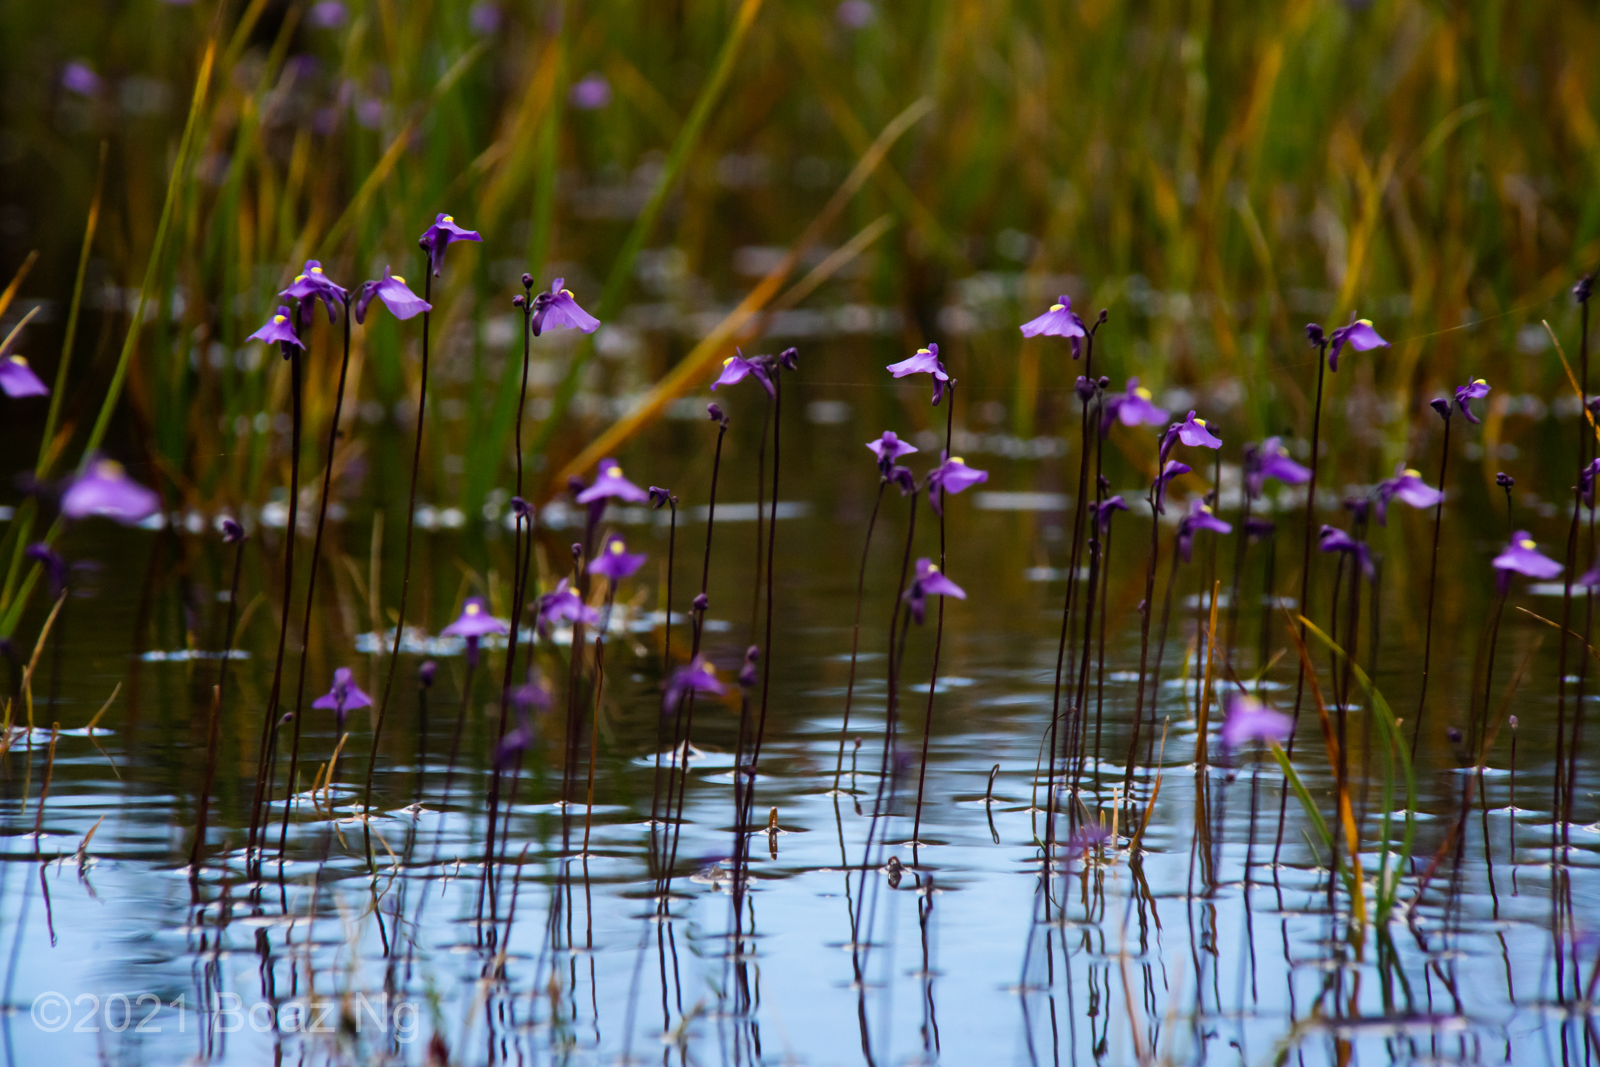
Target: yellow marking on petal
x=923, y=352
x=278, y=320
x=299, y=278
x=315, y=270
x=1142, y=393
x=450, y=219
x=397, y=278
x=1409, y=473
x=1363, y=322
x=933, y=568
x=19, y=361
x=613, y=472
x=729, y=360
x=472, y=609
x=616, y=548
x=1525, y=543
x=1199, y=422
x=1057, y=307
x=566, y=292
x=958, y=459
x=1206, y=508
x=1479, y=381
x=108, y=468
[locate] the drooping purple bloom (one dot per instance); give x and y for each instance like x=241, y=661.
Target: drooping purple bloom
x=611, y=483
x=1133, y=407
x=78, y=77
x=279, y=330
x=737, y=368
x=558, y=307
x=1583, y=288
x=441, y=235
x=1474, y=390
x=1589, y=579
x=18, y=380
x=1522, y=556
x=55, y=568
x=1359, y=335
x=1193, y=432
x=562, y=604
x=1586, y=482
x=396, y=296
x=889, y=448
x=951, y=476
x=1270, y=459
x=591, y=92
x=615, y=561
x=926, y=361
x=1169, y=470
x=526, y=698
x=1250, y=720
x=344, y=697
x=1104, y=509
x=1334, y=539
x=1059, y=321
x=697, y=676
x=929, y=581
x=1407, y=487
x=106, y=490
x=312, y=284
x=1200, y=517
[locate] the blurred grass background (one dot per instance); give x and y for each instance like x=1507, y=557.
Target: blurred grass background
x=1217, y=174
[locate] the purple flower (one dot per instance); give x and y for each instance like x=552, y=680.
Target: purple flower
x=1250, y=720
x=615, y=561
x=951, y=476
x=474, y=621
x=930, y=581
x=1408, y=487
x=54, y=566
x=591, y=93
x=1270, y=459
x=611, y=483
x=1359, y=335
x=1259, y=529
x=1584, y=287
x=1200, y=517
x=1133, y=407
x=105, y=489
x=326, y=15
x=1522, y=555
x=484, y=18
x=558, y=308
x=525, y=698
x=737, y=368
x=344, y=697
x=926, y=361
x=392, y=290
x=562, y=604
x=1586, y=480
x=1169, y=470
x=474, y=624
x=1193, y=432
x=1059, y=321
x=78, y=77
x=1334, y=539
x=697, y=676
x=1106, y=508
x=889, y=448
x=232, y=532
x=312, y=284
x=279, y=331
x=441, y=235
x=1475, y=390
x=855, y=14
x=18, y=380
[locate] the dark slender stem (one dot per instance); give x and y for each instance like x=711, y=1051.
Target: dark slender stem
x=938, y=634
x=311, y=582
x=1304, y=606
x=405, y=567
x=772, y=538
x=855, y=634
x=1433, y=580
x=198, y=849
x=269, y=724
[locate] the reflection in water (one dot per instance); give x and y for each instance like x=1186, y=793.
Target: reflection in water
x=784, y=864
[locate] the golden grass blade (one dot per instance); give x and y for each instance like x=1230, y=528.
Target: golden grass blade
x=16, y=281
